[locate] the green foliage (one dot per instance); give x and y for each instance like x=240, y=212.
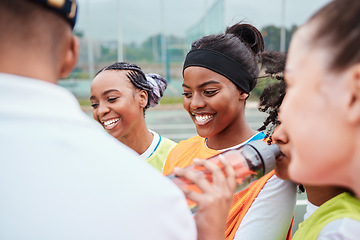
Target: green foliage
x=171, y=100
x=272, y=37
x=262, y=83
x=84, y=102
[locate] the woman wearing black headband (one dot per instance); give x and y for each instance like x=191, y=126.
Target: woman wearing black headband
x=219, y=73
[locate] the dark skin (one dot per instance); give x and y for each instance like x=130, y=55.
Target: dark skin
x=216, y=106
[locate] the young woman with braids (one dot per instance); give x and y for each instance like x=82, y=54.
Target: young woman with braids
x=120, y=94
x=219, y=73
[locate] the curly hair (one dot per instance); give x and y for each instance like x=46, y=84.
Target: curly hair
x=272, y=96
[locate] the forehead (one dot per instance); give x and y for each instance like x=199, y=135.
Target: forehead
x=194, y=76
x=304, y=53
x=111, y=78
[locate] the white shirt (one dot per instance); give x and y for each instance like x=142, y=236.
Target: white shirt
x=63, y=177
x=341, y=229
x=154, y=143
x=310, y=209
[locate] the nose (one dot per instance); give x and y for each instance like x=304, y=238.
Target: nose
x=102, y=109
x=280, y=135
x=197, y=101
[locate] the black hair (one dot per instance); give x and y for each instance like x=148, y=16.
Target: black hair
x=155, y=86
x=241, y=42
x=338, y=28
x=272, y=96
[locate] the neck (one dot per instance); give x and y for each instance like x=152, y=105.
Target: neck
x=318, y=195
x=354, y=184
x=139, y=139
x=229, y=137
x=36, y=66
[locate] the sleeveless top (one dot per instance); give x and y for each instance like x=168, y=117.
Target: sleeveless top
x=158, y=150
x=343, y=205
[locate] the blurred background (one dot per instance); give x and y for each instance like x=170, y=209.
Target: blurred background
x=157, y=34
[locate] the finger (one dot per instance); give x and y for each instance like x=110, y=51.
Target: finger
x=200, y=179
x=218, y=176
x=192, y=195
x=230, y=173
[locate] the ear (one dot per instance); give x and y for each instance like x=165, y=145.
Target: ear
x=143, y=98
x=70, y=57
x=243, y=96
x=354, y=88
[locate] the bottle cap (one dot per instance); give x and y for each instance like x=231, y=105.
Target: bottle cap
x=267, y=152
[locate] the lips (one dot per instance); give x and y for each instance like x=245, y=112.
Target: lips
x=280, y=157
x=110, y=123
x=202, y=119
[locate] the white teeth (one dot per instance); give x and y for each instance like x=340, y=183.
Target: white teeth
x=109, y=122
x=202, y=118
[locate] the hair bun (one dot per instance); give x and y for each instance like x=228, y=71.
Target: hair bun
x=158, y=84
x=249, y=35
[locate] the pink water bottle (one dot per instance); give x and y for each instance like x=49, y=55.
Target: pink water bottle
x=250, y=162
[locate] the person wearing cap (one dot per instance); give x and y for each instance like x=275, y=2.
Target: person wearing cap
x=62, y=176
x=219, y=73
x=120, y=95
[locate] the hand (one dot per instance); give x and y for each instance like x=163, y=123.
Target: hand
x=215, y=200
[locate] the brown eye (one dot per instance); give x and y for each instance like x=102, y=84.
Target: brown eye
x=187, y=95
x=210, y=93
x=112, y=99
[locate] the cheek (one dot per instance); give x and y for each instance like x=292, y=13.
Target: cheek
x=281, y=170
x=186, y=103
x=95, y=115
x=321, y=147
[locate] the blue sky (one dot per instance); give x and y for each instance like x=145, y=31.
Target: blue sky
x=142, y=18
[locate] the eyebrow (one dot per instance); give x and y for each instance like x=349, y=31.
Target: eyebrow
x=106, y=92
x=204, y=84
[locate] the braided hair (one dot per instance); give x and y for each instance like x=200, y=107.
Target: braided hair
x=153, y=84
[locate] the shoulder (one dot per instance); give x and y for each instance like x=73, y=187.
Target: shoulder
x=343, y=228
x=187, y=145
x=167, y=143
x=276, y=201
x=161, y=152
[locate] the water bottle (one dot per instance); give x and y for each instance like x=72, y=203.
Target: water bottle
x=250, y=162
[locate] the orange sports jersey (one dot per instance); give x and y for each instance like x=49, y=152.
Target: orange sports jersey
x=182, y=156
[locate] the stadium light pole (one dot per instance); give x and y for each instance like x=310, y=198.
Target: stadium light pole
x=282, y=34
x=89, y=42
x=163, y=38
x=120, y=54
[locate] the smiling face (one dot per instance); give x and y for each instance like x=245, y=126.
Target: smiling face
x=117, y=105
x=314, y=114
x=213, y=102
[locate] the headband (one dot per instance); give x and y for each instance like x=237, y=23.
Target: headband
x=222, y=65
